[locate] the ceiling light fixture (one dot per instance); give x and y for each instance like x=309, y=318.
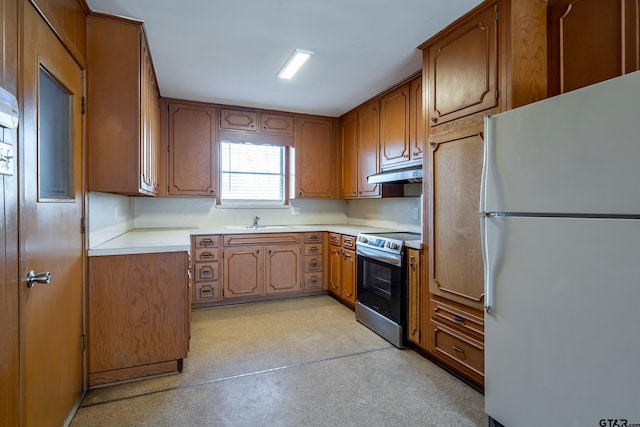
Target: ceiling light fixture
x=294, y=63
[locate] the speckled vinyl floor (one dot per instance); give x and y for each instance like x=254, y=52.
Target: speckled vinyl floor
x=298, y=362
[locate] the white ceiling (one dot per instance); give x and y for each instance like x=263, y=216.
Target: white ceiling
x=230, y=51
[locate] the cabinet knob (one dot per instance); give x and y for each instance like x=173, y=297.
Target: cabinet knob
x=415, y=153
x=300, y=193
x=360, y=192
x=406, y=156
x=433, y=145
x=434, y=120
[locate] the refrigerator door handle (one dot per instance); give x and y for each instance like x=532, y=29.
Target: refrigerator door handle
x=485, y=215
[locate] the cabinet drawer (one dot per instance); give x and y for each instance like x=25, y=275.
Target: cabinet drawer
x=315, y=237
x=348, y=242
x=313, y=249
x=206, y=241
x=205, y=254
x=260, y=239
x=313, y=281
x=335, y=239
x=457, y=317
x=313, y=263
x=464, y=353
x=206, y=271
x=206, y=292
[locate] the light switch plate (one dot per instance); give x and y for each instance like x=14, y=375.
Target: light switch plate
x=6, y=159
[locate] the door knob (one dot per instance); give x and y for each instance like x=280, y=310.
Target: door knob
x=33, y=278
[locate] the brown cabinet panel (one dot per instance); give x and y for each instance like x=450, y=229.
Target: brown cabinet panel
x=313, y=263
x=348, y=242
x=335, y=270
x=394, y=127
x=206, y=241
x=348, y=277
x=207, y=292
x=415, y=297
x=457, y=316
x=416, y=120
x=314, y=153
x=590, y=41
x=206, y=271
x=462, y=352
x=259, y=239
x=456, y=266
x=206, y=254
x=193, y=153
x=335, y=239
x=282, y=269
x=243, y=271
x=314, y=237
x=463, y=68
x=368, y=148
x=138, y=310
x=349, y=156
x=313, y=281
x=277, y=123
x=313, y=249
x=245, y=120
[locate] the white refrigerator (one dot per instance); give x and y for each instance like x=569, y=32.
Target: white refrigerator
x=560, y=225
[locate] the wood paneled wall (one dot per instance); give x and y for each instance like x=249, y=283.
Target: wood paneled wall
x=68, y=19
x=9, y=328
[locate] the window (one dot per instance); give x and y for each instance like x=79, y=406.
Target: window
x=252, y=174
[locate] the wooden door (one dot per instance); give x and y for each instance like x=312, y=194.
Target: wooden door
x=587, y=42
x=283, y=269
x=349, y=156
x=314, y=158
x=463, y=69
x=193, y=153
x=335, y=272
x=455, y=255
x=368, y=148
x=243, y=271
x=416, y=120
x=394, y=127
x=414, y=311
x=51, y=239
x=348, y=282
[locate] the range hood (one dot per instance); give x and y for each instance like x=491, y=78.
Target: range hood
x=397, y=176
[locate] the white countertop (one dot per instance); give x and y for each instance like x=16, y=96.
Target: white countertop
x=154, y=240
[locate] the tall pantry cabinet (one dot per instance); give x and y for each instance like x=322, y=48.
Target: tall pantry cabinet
x=123, y=113
x=490, y=60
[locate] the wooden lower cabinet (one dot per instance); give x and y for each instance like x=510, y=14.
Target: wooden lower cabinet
x=343, y=268
x=238, y=268
x=139, y=316
x=416, y=299
x=456, y=337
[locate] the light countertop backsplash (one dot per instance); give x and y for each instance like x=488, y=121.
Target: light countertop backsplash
x=113, y=215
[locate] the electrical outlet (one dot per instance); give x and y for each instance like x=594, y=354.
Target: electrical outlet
x=6, y=159
x=295, y=210
x=416, y=213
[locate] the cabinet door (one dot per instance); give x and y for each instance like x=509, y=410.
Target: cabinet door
x=394, y=127
x=246, y=120
x=277, y=123
x=348, y=282
x=349, y=156
x=455, y=255
x=138, y=310
x=283, y=269
x=335, y=270
x=414, y=311
x=463, y=69
x=416, y=120
x=588, y=42
x=314, y=154
x=243, y=272
x=368, y=149
x=193, y=154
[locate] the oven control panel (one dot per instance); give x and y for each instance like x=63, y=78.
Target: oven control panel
x=381, y=243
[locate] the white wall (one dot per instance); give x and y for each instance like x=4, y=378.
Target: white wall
x=109, y=215
x=203, y=213
x=401, y=213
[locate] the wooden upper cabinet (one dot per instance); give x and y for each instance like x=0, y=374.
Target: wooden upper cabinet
x=416, y=120
x=122, y=108
x=591, y=41
x=394, y=127
x=314, y=153
x=463, y=68
x=245, y=120
x=193, y=152
x=349, y=156
x=257, y=121
x=368, y=144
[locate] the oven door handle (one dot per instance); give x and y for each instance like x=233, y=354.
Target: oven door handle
x=379, y=256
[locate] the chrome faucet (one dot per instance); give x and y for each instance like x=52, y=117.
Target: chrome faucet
x=255, y=221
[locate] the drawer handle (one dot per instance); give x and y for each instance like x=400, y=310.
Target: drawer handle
x=206, y=271
x=313, y=249
x=459, y=320
x=206, y=292
x=313, y=264
x=206, y=255
x=206, y=242
x=313, y=238
x=313, y=280
x=458, y=349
